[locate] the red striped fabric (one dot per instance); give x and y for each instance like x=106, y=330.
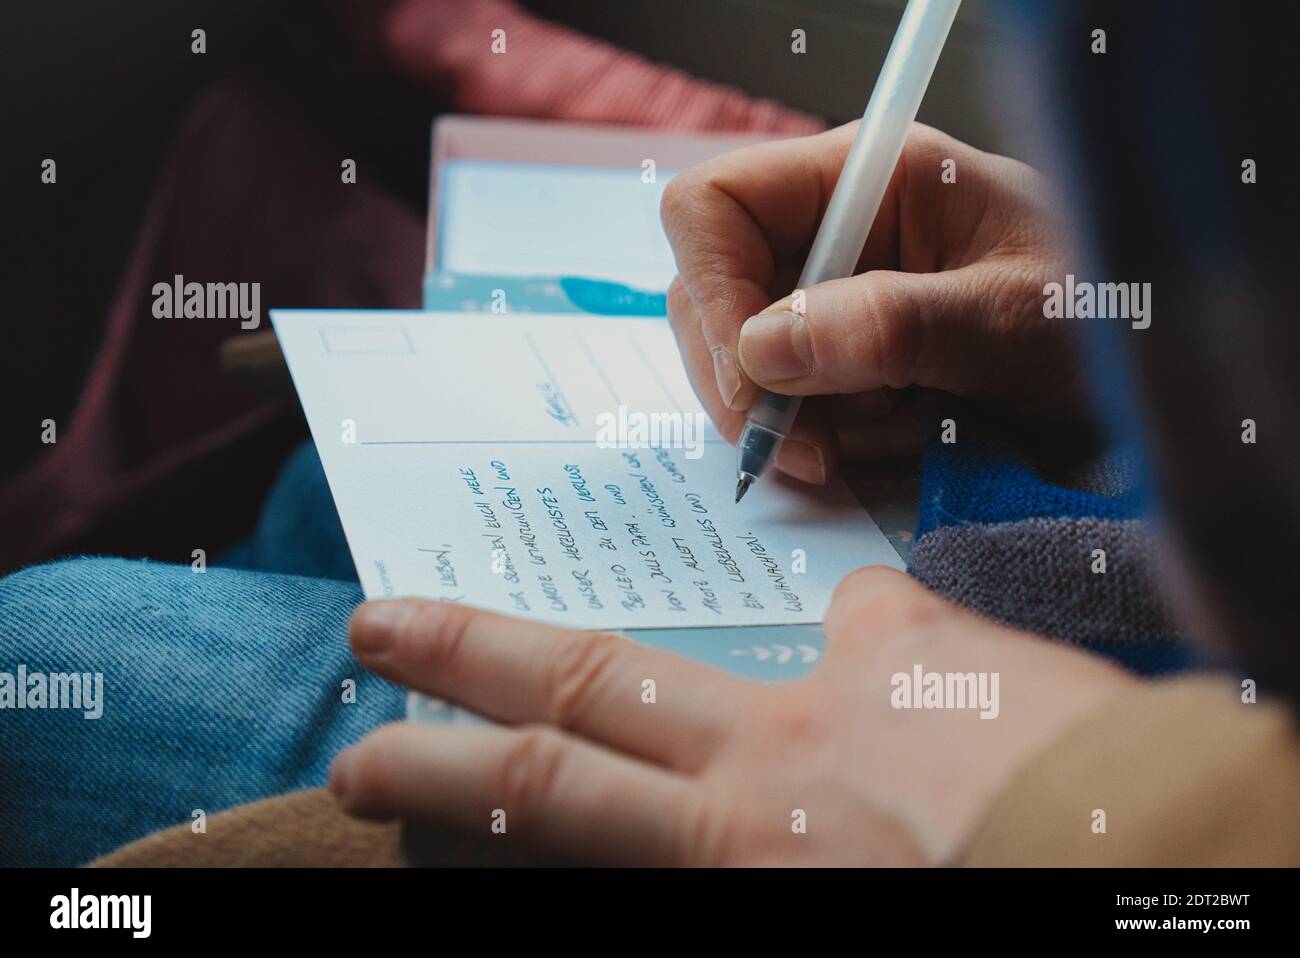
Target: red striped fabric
x=553, y=72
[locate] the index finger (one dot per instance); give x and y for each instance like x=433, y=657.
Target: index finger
x=739, y=222
x=519, y=671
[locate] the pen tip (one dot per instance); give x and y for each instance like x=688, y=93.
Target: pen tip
x=741, y=488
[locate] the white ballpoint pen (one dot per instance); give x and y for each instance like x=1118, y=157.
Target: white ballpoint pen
x=852, y=208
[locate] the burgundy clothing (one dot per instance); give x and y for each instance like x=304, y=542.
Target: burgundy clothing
x=165, y=454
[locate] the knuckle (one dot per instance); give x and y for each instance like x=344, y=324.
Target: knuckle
x=680, y=200
x=875, y=600
x=578, y=667
x=915, y=610
x=704, y=836
x=868, y=580
x=679, y=301
x=793, y=721
x=532, y=765
x=893, y=330
x=925, y=145
x=672, y=198
x=924, y=136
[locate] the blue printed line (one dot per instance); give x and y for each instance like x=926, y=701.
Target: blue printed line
x=600, y=371
x=655, y=373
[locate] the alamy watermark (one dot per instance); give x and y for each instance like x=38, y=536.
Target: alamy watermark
x=631, y=429
x=181, y=300
x=1085, y=300
x=22, y=689
x=920, y=689
x=133, y=913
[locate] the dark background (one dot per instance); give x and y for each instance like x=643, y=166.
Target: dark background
x=100, y=87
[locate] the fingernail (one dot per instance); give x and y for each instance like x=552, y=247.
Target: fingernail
x=802, y=460
x=341, y=775
x=375, y=625
x=728, y=376
x=776, y=346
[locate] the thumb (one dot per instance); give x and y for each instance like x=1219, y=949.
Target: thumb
x=855, y=334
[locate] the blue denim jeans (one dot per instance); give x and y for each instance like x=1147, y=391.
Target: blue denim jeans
x=219, y=687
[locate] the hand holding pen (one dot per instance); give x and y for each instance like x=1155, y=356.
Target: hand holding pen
x=946, y=294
